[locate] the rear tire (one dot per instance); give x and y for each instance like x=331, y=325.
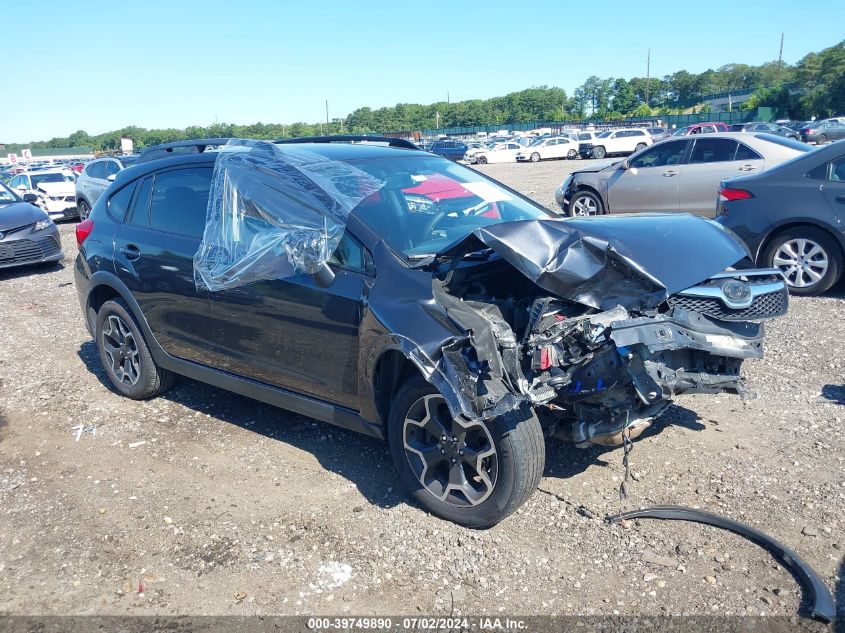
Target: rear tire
x=810, y=259
x=84, y=210
x=639, y=147
x=510, y=450
x=125, y=355
x=599, y=152
x=821, y=140
x=572, y=154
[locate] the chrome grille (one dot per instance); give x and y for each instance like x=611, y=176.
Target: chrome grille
x=764, y=307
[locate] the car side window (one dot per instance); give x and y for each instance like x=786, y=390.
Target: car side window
x=349, y=254
x=713, y=150
x=15, y=182
x=98, y=170
x=743, y=152
x=832, y=171
x=661, y=155
x=140, y=213
x=111, y=167
x=179, y=201
x=118, y=203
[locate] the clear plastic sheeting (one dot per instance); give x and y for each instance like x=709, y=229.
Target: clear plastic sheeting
x=274, y=212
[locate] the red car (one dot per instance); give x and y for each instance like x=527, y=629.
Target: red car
x=701, y=128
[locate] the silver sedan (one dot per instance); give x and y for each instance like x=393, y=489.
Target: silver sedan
x=680, y=174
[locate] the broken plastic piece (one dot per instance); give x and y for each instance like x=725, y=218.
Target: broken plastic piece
x=822, y=607
x=274, y=212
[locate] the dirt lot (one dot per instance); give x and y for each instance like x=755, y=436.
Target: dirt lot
x=216, y=504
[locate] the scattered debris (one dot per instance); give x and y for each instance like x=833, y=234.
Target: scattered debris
x=79, y=429
x=655, y=559
x=240, y=595
x=822, y=606
x=331, y=575
x=137, y=444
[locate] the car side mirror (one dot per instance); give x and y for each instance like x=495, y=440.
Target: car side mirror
x=623, y=165
x=111, y=177
x=30, y=197
x=323, y=276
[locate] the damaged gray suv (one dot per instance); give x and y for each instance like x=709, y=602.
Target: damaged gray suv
x=393, y=292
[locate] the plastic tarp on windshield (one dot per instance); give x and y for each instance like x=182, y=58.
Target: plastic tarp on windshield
x=274, y=212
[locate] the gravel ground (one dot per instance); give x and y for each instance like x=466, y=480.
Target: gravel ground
x=204, y=502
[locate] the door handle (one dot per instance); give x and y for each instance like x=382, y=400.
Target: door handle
x=747, y=168
x=131, y=251
x=670, y=173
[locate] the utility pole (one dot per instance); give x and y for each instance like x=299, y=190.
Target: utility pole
x=327, y=115
x=447, y=97
x=780, y=60
x=647, y=76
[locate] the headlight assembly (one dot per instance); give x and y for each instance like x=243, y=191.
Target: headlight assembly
x=42, y=224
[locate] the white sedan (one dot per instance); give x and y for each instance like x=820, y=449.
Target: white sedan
x=500, y=153
x=549, y=148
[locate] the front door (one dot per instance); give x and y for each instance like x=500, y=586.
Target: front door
x=291, y=333
x=651, y=181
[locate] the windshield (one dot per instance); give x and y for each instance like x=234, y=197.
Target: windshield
x=681, y=131
x=6, y=195
x=536, y=142
x=604, y=134
x=37, y=179
x=429, y=202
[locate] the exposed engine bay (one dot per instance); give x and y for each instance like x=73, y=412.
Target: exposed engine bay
x=597, y=371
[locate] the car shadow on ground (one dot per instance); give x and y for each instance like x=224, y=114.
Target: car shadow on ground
x=7, y=274
x=839, y=598
x=565, y=460
x=362, y=460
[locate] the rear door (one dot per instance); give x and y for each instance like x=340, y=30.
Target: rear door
x=96, y=181
x=651, y=181
x=154, y=255
x=833, y=186
x=710, y=161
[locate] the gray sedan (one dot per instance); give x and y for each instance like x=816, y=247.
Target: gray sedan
x=27, y=234
x=680, y=174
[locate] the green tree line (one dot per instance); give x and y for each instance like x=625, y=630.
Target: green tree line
x=815, y=86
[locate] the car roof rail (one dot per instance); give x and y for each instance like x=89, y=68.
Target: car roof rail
x=352, y=138
x=194, y=146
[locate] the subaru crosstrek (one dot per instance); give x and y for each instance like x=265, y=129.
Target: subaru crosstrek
x=464, y=329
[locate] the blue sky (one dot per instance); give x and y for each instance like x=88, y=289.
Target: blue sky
x=99, y=66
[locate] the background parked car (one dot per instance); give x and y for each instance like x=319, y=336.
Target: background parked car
x=615, y=142
x=53, y=189
x=500, y=153
x=27, y=234
x=701, y=128
x=560, y=147
x=678, y=174
x=95, y=177
x=447, y=148
x=658, y=133
x=791, y=217
x=766, y=128
x=821, y=132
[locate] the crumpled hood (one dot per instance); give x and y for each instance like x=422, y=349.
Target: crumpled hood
x=590, y=169
x=58, y=188
x=635, y=261
x=19, y=214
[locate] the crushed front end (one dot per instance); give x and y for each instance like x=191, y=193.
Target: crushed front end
x=594, y=371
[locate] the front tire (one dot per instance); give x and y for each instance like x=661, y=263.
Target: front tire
x=810, y=259
x=471, y=473
x=535, y=157
x=585, y=204
x=572, y=154
x=599, y=152
x=481, y=160
x=125, y=355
